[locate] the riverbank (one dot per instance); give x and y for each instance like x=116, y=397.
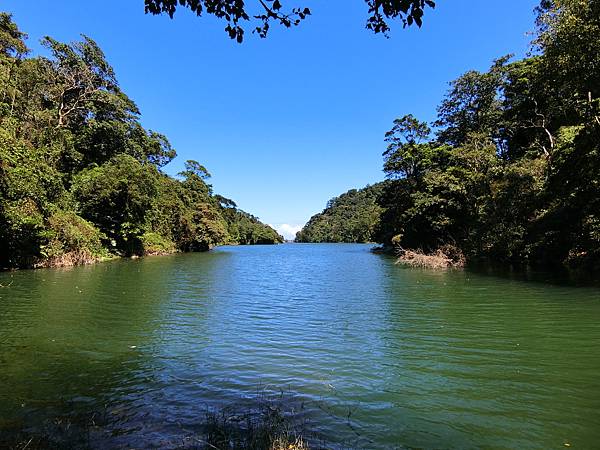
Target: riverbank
x=74, y=259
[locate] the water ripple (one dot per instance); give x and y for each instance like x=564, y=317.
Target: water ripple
x=379, y=355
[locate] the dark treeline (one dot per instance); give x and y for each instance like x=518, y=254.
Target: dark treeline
x=80, y=177
x=512, y=170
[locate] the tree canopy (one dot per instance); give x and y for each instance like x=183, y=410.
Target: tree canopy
x=260, y=14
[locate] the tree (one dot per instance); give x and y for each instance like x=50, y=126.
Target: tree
x=515, y=171
x=81, y=76
x=80, y=176
x=408, y=153
x=225, y=202
x=12, y=50
x=472, y=105
x=568, y=38
x=158, y=149
x=195, y=169
x=117, y=197
x=12, y=40
x=264, y=12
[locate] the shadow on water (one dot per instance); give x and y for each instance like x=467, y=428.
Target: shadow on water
x=546, y=274
x=554, y=275
x=261, y=423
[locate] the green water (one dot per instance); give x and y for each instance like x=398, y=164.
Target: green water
x=379, y=356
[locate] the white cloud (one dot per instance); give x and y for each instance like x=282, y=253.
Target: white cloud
x=286, y=230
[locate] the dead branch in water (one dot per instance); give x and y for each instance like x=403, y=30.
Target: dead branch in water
x=444, y=257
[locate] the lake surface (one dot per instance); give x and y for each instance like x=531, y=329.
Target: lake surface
x=368, y=353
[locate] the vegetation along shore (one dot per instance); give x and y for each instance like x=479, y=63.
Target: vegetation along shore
x=511, y=170
x=81, y=179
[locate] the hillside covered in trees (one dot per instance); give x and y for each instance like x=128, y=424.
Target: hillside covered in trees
x=511, y=170
x=351, y=217
x=81, y=179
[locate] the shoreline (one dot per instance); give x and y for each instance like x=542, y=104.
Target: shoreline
x=45, y=264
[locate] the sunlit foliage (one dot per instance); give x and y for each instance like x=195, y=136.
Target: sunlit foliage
x=351, y=217
x=80, y=177
x=512, y=172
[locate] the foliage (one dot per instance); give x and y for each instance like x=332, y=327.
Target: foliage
x=30, y=192
x=80, y=177
x=472, y=105
x=443, y=258
x=236, y=13
x=407, y=155
x=117, y=196
x=351, y=217
x=513, y=170
x=11, y=38
x=244, y=228
x=156, y=244
x=70, y=240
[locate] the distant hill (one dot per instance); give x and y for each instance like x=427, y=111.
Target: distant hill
x=351, y=217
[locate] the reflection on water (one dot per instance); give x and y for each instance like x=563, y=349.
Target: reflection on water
x=378, y=355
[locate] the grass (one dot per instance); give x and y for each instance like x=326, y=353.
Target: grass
x=267, y=429
x=266, y=424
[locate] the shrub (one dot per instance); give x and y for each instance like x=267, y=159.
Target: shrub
x=70, y=241
x=155, y=244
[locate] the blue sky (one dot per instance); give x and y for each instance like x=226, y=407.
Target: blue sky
x=284, y=123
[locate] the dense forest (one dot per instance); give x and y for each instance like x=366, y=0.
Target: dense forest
x=81, y=179
x=351, y=217
x=511, y=170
